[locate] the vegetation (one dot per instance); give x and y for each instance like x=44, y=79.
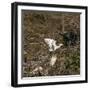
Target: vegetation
x=61, y=26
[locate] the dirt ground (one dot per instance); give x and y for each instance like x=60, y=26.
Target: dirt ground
x=63, y=27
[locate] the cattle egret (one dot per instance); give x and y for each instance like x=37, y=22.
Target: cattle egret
x=52, y=44
x=53, y=60
x=38, y=69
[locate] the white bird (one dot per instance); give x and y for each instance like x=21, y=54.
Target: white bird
x=52, y=44
x=53, y=60
x=38, y=68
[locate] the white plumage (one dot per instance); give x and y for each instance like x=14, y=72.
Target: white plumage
x=38, y=69
x=52, y=44
x=53, y=60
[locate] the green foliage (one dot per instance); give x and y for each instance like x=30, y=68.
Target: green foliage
x=72, y=63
